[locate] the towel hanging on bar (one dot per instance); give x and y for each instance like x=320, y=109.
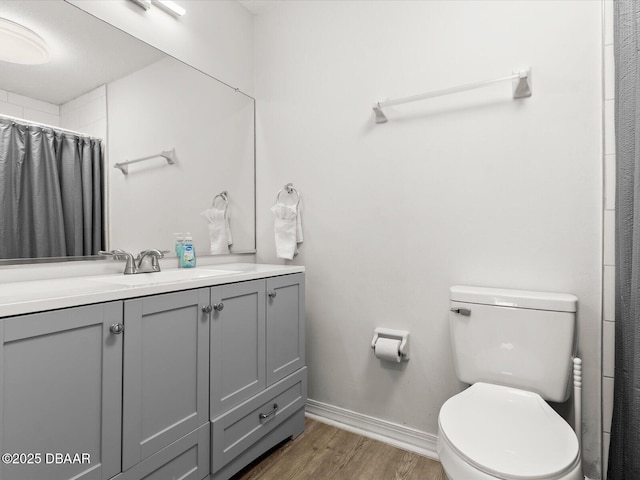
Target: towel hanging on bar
x=219, y=226
x=288, y=223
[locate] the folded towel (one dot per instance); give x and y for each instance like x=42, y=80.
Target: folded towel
x=288, y=230
x=219, y=230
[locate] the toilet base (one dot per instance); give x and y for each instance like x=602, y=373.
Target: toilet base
x=457, y=468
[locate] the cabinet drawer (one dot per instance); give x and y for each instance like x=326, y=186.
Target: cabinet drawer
x=238, y=429
x=186, y=459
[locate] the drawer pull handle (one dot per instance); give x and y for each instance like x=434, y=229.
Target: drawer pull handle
x=218, y=307
x=265, y=416
x=116, y=328
x=207, y=309
x=272, y=294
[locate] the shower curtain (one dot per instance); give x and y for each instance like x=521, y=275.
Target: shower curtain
x=50, y=192
x=624, y=451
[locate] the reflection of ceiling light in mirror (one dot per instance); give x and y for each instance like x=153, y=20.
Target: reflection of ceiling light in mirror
x=146, y=4
x=172, y=6
x=18, y=44
x=167, y=5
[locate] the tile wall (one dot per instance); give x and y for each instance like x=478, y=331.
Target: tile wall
x=86, y=113
x=609, y=203
x=30, y=109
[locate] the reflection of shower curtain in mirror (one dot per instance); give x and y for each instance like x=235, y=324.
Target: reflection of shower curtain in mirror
x=51, y=192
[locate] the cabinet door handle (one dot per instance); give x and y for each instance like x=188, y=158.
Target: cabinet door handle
x=207, y=309
x=116, y=328
x=218, y=307
x=272, y=294
x=265, y=416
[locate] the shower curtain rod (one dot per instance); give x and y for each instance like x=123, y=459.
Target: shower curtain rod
x=521, y=89
x=44, y=125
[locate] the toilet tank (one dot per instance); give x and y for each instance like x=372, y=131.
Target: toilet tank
x=515, y=338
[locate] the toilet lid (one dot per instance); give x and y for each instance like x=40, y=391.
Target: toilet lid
x=508, y=433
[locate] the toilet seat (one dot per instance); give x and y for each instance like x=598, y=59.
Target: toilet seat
x=508, y=433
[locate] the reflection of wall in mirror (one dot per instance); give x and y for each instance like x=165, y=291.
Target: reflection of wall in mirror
x=169, y=105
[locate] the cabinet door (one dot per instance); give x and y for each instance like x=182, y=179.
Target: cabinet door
x=285, y=326
x=237, y=344
x=61, y=385
x=166, y=371
x=186, y=459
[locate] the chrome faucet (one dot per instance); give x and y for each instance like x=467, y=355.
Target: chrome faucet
x=118, y=254
x=147, y=261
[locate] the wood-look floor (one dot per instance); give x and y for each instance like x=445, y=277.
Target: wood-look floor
x=324, y=452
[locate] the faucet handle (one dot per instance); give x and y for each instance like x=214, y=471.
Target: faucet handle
x=154, y=252
x=147, y=260
x=119, y=254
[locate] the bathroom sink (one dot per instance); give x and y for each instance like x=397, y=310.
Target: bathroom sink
x=166, y=276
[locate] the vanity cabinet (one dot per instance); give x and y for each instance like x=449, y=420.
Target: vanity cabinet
x=285, y=326
x=237, y=344
x=193, y=384
x=61, y=386
x=258, y=378
x=166, y=371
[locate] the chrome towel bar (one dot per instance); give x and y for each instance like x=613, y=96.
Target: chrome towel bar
x=521, y=89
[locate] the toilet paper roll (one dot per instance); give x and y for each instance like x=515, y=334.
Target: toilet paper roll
x=388, y=349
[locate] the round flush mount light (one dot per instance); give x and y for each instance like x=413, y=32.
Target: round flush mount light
x=18, y=44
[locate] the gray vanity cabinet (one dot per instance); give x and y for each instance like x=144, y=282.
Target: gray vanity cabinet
x=60, y=384
x=237, y=343
x=191, y=384
x=285, y=326
x=165, y=373
x=258, y=375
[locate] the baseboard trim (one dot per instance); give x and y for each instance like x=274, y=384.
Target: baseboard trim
x=392, y=433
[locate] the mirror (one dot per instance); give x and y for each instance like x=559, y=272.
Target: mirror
x=141, y=102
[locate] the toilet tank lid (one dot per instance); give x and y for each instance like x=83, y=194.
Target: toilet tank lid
x=501, y=297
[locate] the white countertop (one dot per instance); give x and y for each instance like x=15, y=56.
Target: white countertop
x=39, y=295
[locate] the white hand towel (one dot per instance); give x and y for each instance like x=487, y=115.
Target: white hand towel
x=219, y=230
x=287, y=226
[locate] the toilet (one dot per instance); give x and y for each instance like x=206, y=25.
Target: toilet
x=514, y=348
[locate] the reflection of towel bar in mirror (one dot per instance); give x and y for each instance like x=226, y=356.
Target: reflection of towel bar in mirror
x=290, y=189
x=169, y=155
x=224, y=195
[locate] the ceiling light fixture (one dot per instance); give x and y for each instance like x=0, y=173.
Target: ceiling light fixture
x=167, y=5
x=18, y=44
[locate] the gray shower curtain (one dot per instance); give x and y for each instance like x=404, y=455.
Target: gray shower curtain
x=51, y=194
x=624, y=452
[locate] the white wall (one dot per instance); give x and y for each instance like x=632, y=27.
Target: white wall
x=469, y=189
x=213, y=36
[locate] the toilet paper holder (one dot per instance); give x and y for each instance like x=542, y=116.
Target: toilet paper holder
x=402, y=335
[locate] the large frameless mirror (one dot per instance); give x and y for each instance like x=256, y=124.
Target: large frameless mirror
x=194, y=133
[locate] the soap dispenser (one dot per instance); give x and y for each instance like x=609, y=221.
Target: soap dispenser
x=188, y=258
x=179, y=247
